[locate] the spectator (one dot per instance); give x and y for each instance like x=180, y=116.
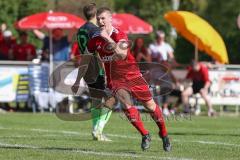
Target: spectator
x=160, y=50
x=7, y=45
x=2, y=29
x=140, y=52
x=24, y=51
x=198, y=73
x=60, y=44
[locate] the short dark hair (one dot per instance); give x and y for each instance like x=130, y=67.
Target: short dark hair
x=103, y=9
x=90, y=11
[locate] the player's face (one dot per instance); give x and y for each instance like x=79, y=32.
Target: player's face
x=104, y=20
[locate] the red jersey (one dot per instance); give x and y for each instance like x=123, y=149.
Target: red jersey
x=6, y=46
x=201, y=75
x=21, y=52
x=116, y=71
x=75, y=52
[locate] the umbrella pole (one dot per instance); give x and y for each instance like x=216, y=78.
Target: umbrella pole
x=196, y=50
x=50, y=52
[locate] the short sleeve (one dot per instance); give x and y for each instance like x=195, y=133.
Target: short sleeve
x=169, y=48
x=91, y=47
x=204, y=70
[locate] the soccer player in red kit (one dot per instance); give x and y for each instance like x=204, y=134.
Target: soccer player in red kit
x=124, y=77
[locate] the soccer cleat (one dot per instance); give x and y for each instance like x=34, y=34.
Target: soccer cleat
x=166, y=144
x=146, y=142
x=103, y=137
x=100, y=137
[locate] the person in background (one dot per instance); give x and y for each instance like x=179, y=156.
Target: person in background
x=7, y=45
x=140, y=52
x=2, y=29
x=61, y=44
x=162, y=52
x=24, y=51
x=198, y=73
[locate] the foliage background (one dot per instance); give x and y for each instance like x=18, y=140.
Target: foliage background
x=220, y=14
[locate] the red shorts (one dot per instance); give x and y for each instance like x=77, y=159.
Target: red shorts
x=137, y=87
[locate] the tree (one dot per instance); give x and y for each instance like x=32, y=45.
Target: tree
x=224, y=20
x=150, y=11
x=13, y=10
x=76, y=6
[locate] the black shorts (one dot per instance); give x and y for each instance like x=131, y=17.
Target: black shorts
x=197, y=86
x=99, y=84
x=97, y=89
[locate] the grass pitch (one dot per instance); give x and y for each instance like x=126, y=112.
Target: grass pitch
x=25, y=136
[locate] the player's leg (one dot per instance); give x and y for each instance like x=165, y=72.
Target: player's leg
x=157, y=116
x=141, y=92
x=133, y=116
x=96, y=113
x=100, y=117
x=207, y=100
x=185, y=98
x=104, y=117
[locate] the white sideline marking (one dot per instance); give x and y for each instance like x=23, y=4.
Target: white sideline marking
x=217, y=143
x=128, y=155
x=134, y=137
x=17, y=145
x=121, y=136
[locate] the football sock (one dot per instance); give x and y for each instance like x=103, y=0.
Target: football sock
x=104, y=117
x=134, y=117
x=157, y=116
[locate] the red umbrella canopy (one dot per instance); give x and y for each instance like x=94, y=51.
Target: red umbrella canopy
x=131, y=24
x=50, y=20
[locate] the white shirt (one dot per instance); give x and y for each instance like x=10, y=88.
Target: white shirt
x=160, y=50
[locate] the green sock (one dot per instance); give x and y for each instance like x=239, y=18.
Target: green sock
x=95, y=117
x=105, y=116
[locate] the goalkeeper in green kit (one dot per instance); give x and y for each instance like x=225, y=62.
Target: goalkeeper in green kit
x=100, y=116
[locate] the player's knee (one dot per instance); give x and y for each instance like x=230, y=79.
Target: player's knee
x=150, y=105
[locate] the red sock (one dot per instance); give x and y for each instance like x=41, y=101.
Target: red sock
x=134, y=117
x=159, y=119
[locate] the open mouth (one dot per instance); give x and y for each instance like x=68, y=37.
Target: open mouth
x=102, y=26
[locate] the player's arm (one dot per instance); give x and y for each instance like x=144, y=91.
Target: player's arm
x=206, y=78
x=118, y=48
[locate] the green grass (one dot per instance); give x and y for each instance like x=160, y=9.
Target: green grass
x=43, y=136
